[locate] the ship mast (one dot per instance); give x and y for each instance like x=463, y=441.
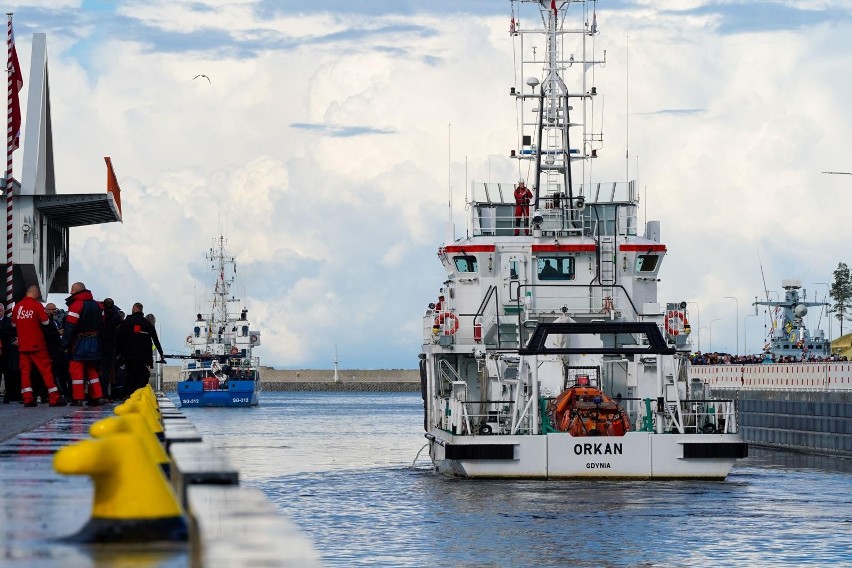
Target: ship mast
x=222, y=288
x=552, y=153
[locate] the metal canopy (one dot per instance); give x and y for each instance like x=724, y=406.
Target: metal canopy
x=656, y=344
x=76, y=210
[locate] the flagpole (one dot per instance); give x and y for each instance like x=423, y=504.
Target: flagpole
x=9, y=149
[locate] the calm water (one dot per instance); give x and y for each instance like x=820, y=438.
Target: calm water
x=339, y=464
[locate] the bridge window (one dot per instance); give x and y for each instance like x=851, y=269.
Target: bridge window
x=647, y=262
x=465, y=263
x=555, y=268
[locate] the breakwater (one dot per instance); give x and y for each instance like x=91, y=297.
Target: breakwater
x=349, y=380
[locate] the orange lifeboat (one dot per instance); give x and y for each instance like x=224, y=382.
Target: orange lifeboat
x=584, y=410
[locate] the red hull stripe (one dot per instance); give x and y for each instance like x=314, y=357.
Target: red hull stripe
x=564, y=248
x=642, y=248
x=469, y=248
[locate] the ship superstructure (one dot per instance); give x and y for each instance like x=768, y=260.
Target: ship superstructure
x=547, y=353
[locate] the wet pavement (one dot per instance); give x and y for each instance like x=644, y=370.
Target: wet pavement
x=39, y=506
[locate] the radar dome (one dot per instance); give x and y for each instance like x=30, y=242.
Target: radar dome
x=801, y=310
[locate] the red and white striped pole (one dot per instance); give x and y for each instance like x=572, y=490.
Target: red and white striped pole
x=9, y=149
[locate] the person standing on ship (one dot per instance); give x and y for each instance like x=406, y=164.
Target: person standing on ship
x=134, y=341
x=522, y=207
x=29, y=319
x=81, y=338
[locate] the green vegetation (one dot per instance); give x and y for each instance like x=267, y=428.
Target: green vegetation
x=841, y=293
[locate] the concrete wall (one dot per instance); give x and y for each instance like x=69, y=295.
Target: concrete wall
x=807, y=421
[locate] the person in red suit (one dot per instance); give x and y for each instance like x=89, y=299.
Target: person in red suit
x=29, y=318
x=83, y=326
x=522, y=207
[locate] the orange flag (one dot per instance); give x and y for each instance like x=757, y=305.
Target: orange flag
x=112, y=184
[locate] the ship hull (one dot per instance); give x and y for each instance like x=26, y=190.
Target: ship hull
x=636, y=455
x=237, y=394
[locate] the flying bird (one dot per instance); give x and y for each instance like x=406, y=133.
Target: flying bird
x=205, y=76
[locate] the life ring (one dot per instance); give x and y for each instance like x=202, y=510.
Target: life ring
x=234, y=350
x=444, y=316
x=253, y=339
x=189, y=340
x=671, y=329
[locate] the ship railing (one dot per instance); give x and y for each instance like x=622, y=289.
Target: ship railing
x=490, y=417
x=605, y=208
x=499, y=220
x=607, y=300
x=699, y=416
x=598, y=193
x=448, y=375
x=597, y=301
x=708, y=416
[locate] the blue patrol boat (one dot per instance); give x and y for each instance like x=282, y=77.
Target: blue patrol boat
x=221, y=369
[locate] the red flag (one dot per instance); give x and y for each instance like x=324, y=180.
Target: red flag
x=553, y=7
x=17, y=84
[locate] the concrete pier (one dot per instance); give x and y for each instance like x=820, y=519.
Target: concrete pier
x=230, y=525
x=807, y=421
x=350, y=380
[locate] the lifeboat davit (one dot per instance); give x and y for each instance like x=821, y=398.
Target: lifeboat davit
x=584, y=410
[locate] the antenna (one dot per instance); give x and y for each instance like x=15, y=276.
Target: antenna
x=449, y=169
x=450, y=234
x=627, y=114
x=466, y=200
x=762, y=275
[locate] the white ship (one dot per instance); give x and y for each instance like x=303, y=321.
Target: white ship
x=548, y=354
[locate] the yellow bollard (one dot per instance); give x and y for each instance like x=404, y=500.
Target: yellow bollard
x=133, y=502
x=138, y=407
x=134, y=423
x=146, y=396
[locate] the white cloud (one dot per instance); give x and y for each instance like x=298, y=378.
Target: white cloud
x=335, y=235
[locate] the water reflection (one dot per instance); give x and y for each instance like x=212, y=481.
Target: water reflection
x=337, y=463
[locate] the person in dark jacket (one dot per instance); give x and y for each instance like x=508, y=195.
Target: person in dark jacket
x=134, y=339
x=112, y=319
x=53, y=337
x=82, y=336
x=9, y=362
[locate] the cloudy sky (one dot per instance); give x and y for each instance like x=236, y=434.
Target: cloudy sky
x=320, y=149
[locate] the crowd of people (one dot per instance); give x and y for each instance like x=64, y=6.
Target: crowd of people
x=699, y=358
x=88, y=354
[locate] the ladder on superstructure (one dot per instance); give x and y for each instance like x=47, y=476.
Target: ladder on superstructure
x=606, y=244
